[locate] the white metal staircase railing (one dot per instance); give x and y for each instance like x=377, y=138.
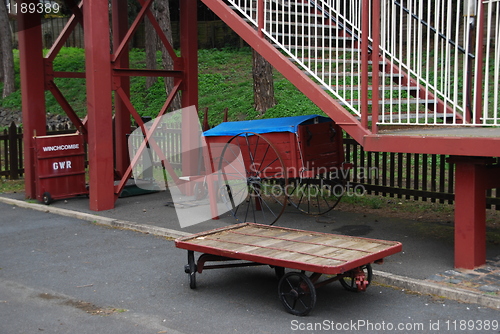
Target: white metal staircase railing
x=433, y=62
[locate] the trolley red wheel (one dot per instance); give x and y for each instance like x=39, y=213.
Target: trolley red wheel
x=351, y=281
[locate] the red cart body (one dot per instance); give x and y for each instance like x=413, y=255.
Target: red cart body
x=308, y=145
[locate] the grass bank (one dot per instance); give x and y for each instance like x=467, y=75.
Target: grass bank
x=225, y=81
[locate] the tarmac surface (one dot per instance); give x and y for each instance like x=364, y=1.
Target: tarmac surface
x=424, y=266
x=60, y=274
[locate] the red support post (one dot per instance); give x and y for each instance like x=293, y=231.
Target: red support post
x=365, y=57
x=375, y=57
x=99, y=105
x=122, y=115
x=470, y=211
x=189, y=54
x=260, y=18
x=477, y=104
x=32, y=89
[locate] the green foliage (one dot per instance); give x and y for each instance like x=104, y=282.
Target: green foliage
x=225, y=81
x=291, y=102
x=13, y=101
x=11, y=186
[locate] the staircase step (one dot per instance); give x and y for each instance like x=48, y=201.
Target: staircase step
x=381, y=88
x=329, y=39
x=356, y=74
x=285, y=12
x=406, y=116
x=391, y=102
x=335, y=61
x=287, y=3
x=319, y=48
x=313, y=25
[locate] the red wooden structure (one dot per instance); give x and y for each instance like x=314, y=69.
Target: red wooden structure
x=107, y=74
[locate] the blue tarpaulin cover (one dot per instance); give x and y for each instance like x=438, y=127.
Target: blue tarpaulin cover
x=283, y=124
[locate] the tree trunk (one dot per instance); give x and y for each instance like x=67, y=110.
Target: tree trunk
x=151, y=47
x=1, y=63
x=263, y=84
x=163, y=17
x=6, y=49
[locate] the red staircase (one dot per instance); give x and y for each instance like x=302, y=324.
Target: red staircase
x=336, y=53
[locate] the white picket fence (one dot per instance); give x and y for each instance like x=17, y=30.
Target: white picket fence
x=438, y=61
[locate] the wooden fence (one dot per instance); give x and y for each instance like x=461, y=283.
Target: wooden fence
x=399, y=175
x=211, y=34
x=11, y=148
x=405, y=175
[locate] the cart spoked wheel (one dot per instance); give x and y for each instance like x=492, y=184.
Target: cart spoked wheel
x=47, y=198
x=315, y=196
x=191, y=269
x=351, y=283
x=251, y=179
x=297, y=293
x=200, y=191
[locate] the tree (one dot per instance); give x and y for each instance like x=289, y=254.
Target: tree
x=263, y=84
x=7, y=59
x=163, y=17
x=1, y=64
x=150, y=48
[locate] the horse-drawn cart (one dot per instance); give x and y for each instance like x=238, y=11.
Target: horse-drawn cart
x=299, y=160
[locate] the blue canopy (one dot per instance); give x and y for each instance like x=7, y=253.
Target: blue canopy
x=283, y=124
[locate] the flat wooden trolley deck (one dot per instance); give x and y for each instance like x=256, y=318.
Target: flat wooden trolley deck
x=348, y=258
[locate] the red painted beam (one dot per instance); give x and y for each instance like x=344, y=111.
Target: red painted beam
x=148, y=138
x=189, y=53
x=122, y=115
x=470, y=213
x=67, y=108
x=76, y=75
x=124, y=42
x=99, y=105
x=32, y=90
x=132, y=72
x=160, y=33
x=464, y=146
x=66, y=32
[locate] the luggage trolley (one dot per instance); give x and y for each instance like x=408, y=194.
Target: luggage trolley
x=347, y=259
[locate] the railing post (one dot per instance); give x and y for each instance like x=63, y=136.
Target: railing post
x=260, y=17
x=478, y=80
x=365, y=29
x=13, y=152
x=470, y=13
x=375, y=66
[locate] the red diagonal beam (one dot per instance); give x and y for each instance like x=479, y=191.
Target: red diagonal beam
x=76, y=9
x=67, y=108
x=148, y=134
x=131, y=30
x=67, y=30
x=160, y=32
